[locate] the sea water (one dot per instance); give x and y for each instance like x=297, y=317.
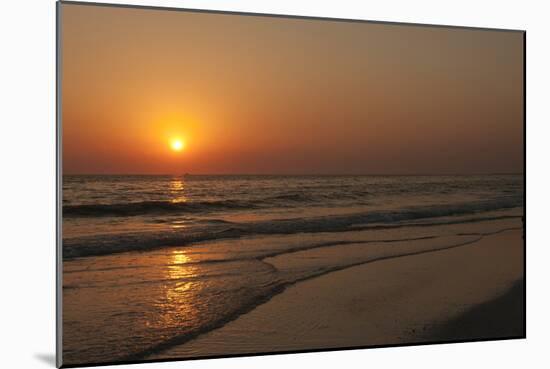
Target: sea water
x=151, y=262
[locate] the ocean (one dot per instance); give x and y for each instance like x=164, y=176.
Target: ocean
x=152, y=262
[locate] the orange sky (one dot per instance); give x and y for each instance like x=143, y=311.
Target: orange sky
x=264, y=95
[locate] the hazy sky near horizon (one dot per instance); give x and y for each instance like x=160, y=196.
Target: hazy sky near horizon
x=266, y=95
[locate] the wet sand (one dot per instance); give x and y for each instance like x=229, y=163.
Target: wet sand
x=468, y=292
x=501, y=317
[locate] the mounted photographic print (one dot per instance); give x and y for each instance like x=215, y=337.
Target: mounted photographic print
x=240, y=184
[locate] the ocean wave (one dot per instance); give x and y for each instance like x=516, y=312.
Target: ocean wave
x=418, y=216
x=151, y=207
x=160, y=207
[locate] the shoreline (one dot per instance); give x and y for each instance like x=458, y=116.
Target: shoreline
x=175, y=322
x=374, y=304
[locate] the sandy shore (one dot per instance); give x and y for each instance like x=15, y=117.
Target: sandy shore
x=469, y=292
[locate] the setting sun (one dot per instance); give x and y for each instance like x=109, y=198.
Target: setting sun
x=177, y=144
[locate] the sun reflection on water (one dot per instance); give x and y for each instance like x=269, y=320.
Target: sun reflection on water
x=179, y=267
x=176, y=184
x=179, y=224
x=177, y=187
x=177, y=307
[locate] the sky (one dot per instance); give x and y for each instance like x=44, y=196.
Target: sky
x=271, y=95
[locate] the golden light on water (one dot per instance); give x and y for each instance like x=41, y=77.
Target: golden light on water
x=178, y=301
x=177, y=188
x=177, y=268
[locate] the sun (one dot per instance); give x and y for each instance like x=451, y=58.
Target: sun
x=177, y=144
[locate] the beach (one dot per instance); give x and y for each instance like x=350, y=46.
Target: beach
x=427, y=297
x=218, y=265
x=236, y=184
